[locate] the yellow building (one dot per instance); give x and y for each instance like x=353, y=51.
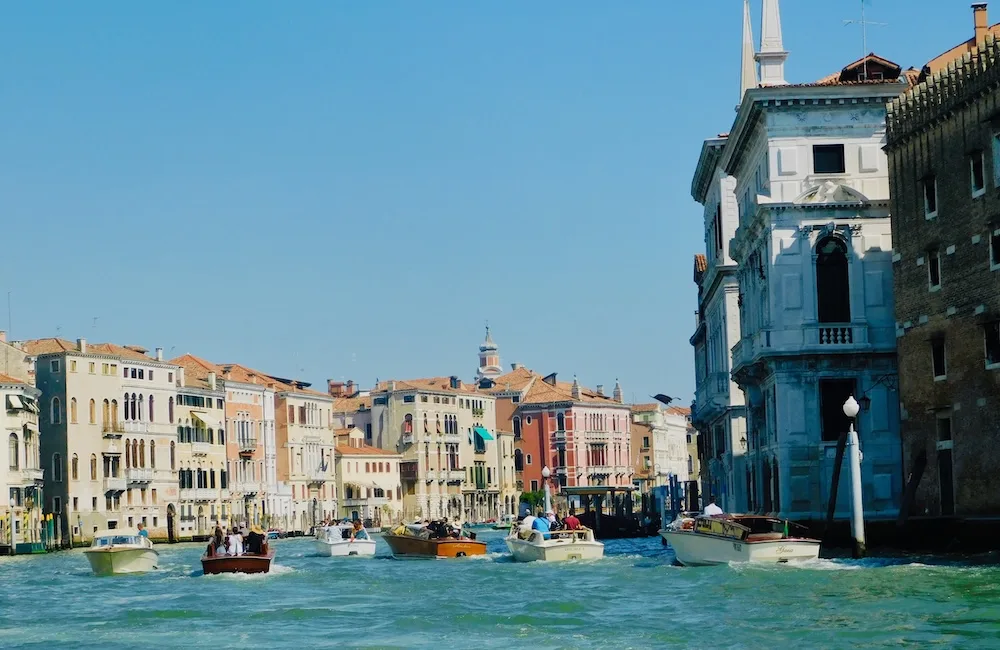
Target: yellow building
x=368, y=486
x=20, y=465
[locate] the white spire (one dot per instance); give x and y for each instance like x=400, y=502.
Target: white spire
x=772, y=53
x=748, y=72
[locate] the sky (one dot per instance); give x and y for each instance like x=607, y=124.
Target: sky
x=351, y=190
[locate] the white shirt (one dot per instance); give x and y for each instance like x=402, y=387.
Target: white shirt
x=712, y=509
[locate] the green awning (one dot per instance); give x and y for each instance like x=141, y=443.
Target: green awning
x=483, y=433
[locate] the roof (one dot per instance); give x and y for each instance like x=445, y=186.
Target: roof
x=196, y=370
x=645, y=408
x=942, y=60
x=516, y=380
x=38, y=347
x=435, y=384
x=700, y=266
x=363, y=450
x=679, y=410
x=351, y=404
x=7, y=379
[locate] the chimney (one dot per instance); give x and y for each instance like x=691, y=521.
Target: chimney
x=81, y=345
x=349, y=388
x=550, y=379
x=3, y=336
x=159, y=354
x=981, y=20
x=392, y=385
x=335, y=388
x=453, y=382
x=211, y=381
x=600, y=389
x=516, y=366
x=180, y=376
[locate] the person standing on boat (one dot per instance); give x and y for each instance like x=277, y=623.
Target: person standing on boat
x=571, y=522
x=142, y=530
x=712, y=510
x=541, y=524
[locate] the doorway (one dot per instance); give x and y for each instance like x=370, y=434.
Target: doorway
x=171, y=535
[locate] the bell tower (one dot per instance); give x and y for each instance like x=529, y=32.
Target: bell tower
x=489, y=358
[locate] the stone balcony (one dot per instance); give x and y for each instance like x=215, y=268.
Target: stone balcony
x=139, y=475
x=452, y=475
x=600, y=470
x=711, y=396
x=199, y=494
x=597, y=436
x=364, y=501
x=317, y=476
x=406, y=438
x=245, y=488
x=814, y=339
x=246, y=445
x=28, y=476
x=114, y=484
x=112, y=429
x=200, y=448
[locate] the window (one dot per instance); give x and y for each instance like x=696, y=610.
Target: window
x=152, y=454
x=149, y=416
x=291, y=414
x=977, y=179
x=170, y=377
x=56, y=468
x=828, y=159
x=93, y=467
x=992, y=331
x=55, y=412
x=527, y=459
x=408, y=399
x=141, y=372
x=54, y=365
x=423, y=398
x=93, y=412
x=72, y=410
x=12, y=451
x=104, y=368
x=56, y=505
x=833, y=394
x=534, y=486
x=516, y=421
x=833, y=282
x=994, y=247
x=645, y=442
x=930, y=197
x=933, y=269
x=938, y=359
x=560, y=422
x=170, y=409
x=74, y=468
x=72, y=366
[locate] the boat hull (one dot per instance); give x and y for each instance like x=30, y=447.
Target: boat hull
x=237, y=564
x=407, y=547
x=346, y=548
x=694, y=549
x=554, y=550
x=113, y=561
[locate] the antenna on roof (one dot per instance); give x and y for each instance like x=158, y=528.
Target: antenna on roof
x=864, y=34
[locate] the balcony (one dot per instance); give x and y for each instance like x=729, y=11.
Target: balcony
x=621, y=469
x=711, y=396
x=318, y=476
x=29, y=476
x=245, y=488
x=408, y=471
x=114, y=484
x=247, y=445
x=597, y=436
x=131, y=426
x=406, y=438
x=430, y=475
x=600, y=470
x=453, y=475
x=199, y=494
x=559, y=437
x=200, y=448
x=561, y=471
x=364, y=501
x=113, y=429
x=477, y=413
x=139, y=475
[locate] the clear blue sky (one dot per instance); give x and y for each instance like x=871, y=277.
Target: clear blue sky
x=350, y=189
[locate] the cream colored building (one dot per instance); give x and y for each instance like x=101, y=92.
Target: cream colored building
x=305, y=442
x=368, y=485
x=510, y=495
x=446, y=433
x=106, y=436
x=200, y=448
x=20, y=464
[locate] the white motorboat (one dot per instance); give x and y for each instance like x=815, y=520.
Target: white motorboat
x=505, y=522
x=528, y=545
x=340, y=540
x=721, y=539
x=115, y=551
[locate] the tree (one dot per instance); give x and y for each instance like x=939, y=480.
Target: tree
x=534, y=499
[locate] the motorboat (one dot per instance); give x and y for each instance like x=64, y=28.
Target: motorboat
x=505, y=522
x=116, y=551
x=418, y=542
x=341, y=540
x=529, y=545
x=721, y=539
x=215, y=562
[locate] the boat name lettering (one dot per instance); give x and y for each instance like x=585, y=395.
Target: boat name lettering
x=784, y=550
x=737, y=547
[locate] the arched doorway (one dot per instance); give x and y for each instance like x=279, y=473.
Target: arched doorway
x=171, y=512
x=833, y=282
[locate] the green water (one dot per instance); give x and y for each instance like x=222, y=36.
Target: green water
x=634, y=598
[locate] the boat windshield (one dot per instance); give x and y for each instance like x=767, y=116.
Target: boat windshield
x=117, y=540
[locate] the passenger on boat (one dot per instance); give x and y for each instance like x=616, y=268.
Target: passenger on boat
x=356, y=529
x=255, y=541
x=217, y=545
x=712, y=510
x=142, y=530
x=235, y=542
x=541, y=524
x=571, y=522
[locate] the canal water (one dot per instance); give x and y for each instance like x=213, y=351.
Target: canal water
x=634, y=598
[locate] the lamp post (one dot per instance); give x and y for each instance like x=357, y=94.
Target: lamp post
x=851, y=409
x=548, y=494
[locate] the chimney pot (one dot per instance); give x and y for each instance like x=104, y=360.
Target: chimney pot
x=980, y=18
x=159, y=354
x=600, y=389
x=350, y=388
x=335, y=388
x=81, y=345
x=211, y=380
x=3, y=336
x=180, y=376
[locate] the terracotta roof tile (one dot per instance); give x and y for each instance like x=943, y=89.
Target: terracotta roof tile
x=36, y=347
x=196, y=370
x=363, y=450
x=436, y=384
x=679, y=410
x=645, y=408
x=351, y=404
x=7, y=379
x=55, y=345
x=517, y=379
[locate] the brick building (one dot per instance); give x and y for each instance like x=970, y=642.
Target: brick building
x=943, y=145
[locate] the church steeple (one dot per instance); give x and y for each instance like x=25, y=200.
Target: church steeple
x=772, y=53
x=748, y=67
x=489, y=358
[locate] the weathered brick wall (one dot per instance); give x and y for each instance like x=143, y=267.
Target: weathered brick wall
x=969, y=297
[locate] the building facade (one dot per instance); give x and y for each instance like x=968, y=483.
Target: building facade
x=943, y=145
x=368, y=485
x=21, y=474
x=660, y=445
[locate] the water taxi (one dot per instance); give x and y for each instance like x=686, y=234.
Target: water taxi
x=527, y=545
x=418, y=542
x=256, y=559
x=721, y=539
x=337, y=540
x=505, y=522
x=115, y=551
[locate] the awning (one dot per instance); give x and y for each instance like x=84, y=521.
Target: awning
x=483, y=433
x=15, y=402
x=205, y=419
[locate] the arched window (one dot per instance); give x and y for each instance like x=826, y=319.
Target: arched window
x=57, y=470
x=72, y=410
x=438, y=423
x=690, y=465
x=135, y=453
x=173, y=455
x=125, y=405
x=516, y=421
x=833, y=283
x=560, y=422
x=128, y=454
x=426, y=428
x=170, y=410
x=408, y=423
x=114, y=411
x=74, y=468
x=140, y=407
x=149, y=415
x=93, y=412
x=142, y=453
x=12, y=452
x=211, y=436
x=518, y=460
x=106, y=414
x=222, y=436
x=152, y=454
x=93, y=467
x=55, y=412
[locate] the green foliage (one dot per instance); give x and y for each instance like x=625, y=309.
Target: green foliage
x=534, y=499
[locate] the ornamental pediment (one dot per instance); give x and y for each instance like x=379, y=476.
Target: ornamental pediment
x=830, y=192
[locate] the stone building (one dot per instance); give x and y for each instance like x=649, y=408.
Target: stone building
x=943, y=143
x=21, y=474
x=368, y=486
x=660, y=437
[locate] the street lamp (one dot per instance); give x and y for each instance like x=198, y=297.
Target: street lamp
x=851, y=410
x=546, y=473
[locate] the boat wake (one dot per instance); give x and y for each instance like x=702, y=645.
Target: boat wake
x=276, y=569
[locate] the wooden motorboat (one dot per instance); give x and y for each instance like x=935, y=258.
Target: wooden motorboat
x=115, y=551
x=337, y=541
x=413, y=542
x=721, y=539
x=246, y=563
x=527, y=545
x=505, y=522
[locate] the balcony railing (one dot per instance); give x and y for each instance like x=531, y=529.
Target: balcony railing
x=245, y=488
x=430, y=475
x=559, y=437
x=131, y=426
x=113, y=429
x=408, y=471
x=31, y=475
x=199, y=494
x=114, y=484
x=600, y=470
x=835, y=335
x=318, y=475
x=597, y=436
x=247, y=444
x=453, y=475
x=200, y=448
x=477, y=412
x=406, y=438
x=139, y=475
